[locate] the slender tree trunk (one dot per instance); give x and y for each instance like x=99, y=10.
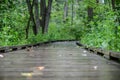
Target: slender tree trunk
x=31, y=18
x=42, y=14
x=90, y=13
x=27, y=29
x=37, y=20
x=72, y=15
x=113, y=4
x=45, y=14
x=65, y=10
x=48, y=11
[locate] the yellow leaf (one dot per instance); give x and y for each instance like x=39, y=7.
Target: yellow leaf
x=27, y=74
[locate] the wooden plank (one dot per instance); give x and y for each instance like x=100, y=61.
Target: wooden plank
x=115, y=54
x=61, y=61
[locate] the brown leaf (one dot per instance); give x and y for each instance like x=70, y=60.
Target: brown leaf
x=40, y=68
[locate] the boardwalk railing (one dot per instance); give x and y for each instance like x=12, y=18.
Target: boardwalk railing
x=14, y=48
x=105, y=53
x=99, y=51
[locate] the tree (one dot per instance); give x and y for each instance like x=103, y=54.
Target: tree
x=113, y=4
x=40, y=16
x=72, y=13
x=65, y=10
x=90, y=9
x=31, y=18
x=37, y=20
x=45, y=11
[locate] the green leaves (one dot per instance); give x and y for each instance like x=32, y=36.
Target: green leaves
x=12, y=22
x=101, y=31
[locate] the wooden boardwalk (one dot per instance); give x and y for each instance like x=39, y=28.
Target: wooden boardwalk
x=57, y=61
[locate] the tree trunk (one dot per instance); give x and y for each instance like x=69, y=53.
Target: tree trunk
x=72, y=15
x=31, y=18
x=113, y=4
x=43, y=20
x=65, y=10
x=42, y=14
x=27, y=29
x=48, y=11
x=45, y=15
x=37, y=20
x=90, y=13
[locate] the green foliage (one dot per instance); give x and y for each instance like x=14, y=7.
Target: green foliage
x=101, y=31
x=12, y=23
x=14, y=20
x=55, y=32
x=90, y=3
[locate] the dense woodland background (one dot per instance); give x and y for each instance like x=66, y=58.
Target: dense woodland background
x=92, y=22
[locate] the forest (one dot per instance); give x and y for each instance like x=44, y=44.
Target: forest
x=92, y=22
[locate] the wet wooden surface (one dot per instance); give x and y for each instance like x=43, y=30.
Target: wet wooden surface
x=57, y=61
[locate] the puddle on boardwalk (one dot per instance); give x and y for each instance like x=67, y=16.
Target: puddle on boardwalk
x=57, y=61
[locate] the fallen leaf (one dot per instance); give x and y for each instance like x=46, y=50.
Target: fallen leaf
x=27, y=74
x=1, y=56
x=41, y=67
